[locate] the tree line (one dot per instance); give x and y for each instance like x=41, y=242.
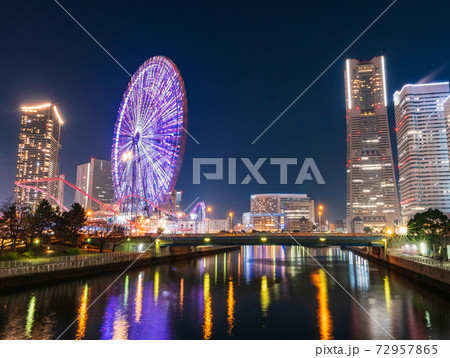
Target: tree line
x=21, y=225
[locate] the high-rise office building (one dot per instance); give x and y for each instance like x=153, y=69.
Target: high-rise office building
x=423, y=162
x=39, y=153
x=60, y=197
x=447, y=121
x=277, y=212
x=95, y=179
x=372, y=197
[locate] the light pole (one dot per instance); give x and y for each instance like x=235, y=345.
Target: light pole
x=37, y=243
x=320, y=217
x=128, y=241
x=230, y=214
x=208, y=211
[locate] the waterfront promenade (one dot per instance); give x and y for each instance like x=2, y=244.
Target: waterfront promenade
x=24, y=273
x=426, y=270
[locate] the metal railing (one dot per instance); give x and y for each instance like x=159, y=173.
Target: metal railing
x=56, y=259
x=20, y=268
x=426, y=261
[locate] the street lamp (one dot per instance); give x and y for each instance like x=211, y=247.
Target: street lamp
x=128, y=240
x=37, y=243
x=230, y=214
x=320, y=217
x=209, y=210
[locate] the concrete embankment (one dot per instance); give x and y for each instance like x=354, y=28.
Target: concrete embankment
x=422, y=273
x=25, y=276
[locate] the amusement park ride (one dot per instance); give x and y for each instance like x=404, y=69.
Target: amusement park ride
x=147, y=153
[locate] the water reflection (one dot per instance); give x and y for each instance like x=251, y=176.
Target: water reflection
x=125, y=291
x=83, y=313
x=207, y=311
x=265, y=292
x=181, y=296
x=230, y=304
x=138, y=299
x=121, y=326
x=359, y=272
x=265, y=297
x=325, y=322
x=387, y=293
x=30, y=316
x=156, y=287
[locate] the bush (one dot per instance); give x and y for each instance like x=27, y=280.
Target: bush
x=73, y=251
x=29, y=254
x=12, y=256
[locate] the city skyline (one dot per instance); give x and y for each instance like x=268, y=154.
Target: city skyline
x=220, y=171
x=327, y=149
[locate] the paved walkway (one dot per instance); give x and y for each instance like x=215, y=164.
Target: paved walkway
x=423, y=260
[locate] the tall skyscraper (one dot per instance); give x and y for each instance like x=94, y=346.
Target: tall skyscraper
x=39, y=153
x=447, y=121
x=372, y=197
x=95, y=179
x=422, y=148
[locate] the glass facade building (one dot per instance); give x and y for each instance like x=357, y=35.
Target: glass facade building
x=423, y=158
x=372, y=196
x=95, y=179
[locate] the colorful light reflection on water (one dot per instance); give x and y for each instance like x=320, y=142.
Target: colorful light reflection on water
x=264, y=292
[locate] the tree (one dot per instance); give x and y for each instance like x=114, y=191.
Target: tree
x=368, y=230
x=3, y=237
x=68, y=225
x=431, y=226
x=43, y=220
x=116, y=236
x=108, y=233
x=11, y=222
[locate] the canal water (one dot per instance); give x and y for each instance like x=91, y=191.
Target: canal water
x=261, y=292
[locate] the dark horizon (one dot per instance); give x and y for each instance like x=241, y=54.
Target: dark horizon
x=242, y=65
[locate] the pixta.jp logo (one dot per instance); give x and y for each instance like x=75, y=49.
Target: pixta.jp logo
x=308, y=170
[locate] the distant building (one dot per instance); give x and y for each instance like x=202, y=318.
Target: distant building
x=304, y=225
x=213, y=226
x=339, y=226
x=190, y=225
x=247, y=224
x=371, y=186
x=39, y=154
x=60, y=201
x=278, y=212
x=357, y=225
x=423, y=161
x=95, y=179
x=174, y=204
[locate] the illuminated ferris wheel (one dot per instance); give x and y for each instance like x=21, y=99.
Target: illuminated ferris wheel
x=149, y=135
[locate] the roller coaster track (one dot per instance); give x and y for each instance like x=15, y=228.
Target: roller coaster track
x=26, y=184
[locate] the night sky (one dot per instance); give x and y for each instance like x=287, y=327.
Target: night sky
x=243, y=62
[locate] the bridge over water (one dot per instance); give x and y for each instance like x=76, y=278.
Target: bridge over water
x=305, y=239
